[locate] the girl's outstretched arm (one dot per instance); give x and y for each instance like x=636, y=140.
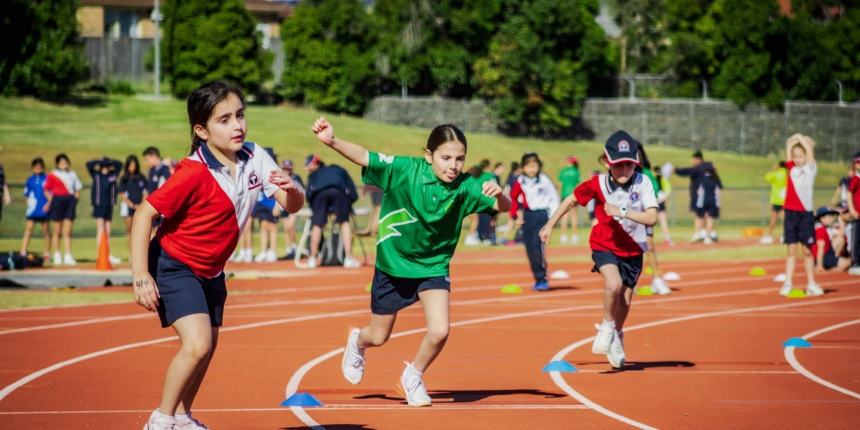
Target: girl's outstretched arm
x=492, y=189
x=566, y=205
x=350, y=151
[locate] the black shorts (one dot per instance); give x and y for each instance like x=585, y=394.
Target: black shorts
x=185, y=293
x=709, y=209
x=38, y=218
x=830, y=259
x=105, y=212
x=265, y=214
x=629, y=267
x=63, y=208
x=661, y=207
x=390, y=294
x=330, y=200
x=157, y=222
x=776, y=208
x=649, y=230
x=799, y=227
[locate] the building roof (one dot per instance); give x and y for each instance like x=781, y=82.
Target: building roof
x=258, y=6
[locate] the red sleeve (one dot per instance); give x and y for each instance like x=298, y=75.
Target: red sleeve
x=50, y=182
x=587, y=191
x=789, y=165
x=515, y=194
x=179, y=189
x=821, y=234
x=854, y=185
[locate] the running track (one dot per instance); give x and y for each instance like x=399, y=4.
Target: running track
x=709, y=355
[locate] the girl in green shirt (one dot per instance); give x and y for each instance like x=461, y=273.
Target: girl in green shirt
x=423, y=206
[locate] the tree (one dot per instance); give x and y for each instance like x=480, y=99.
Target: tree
x=541, y=63
x=329, y=61
x=643, y=33
x=207, y=40
x=41, y=54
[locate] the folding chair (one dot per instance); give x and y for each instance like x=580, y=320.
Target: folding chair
x=306, y=233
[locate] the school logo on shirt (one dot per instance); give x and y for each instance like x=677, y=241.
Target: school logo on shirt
x=623, y=146
x=388, y=159
x=634, y=196
x=254, y=181
x=393, y=219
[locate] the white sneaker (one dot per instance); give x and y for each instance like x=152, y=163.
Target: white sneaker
x=157, y=422
x=189, y=423
x=352, y=364
x=563, y=240
x=472, y=240
x=115, y=260
x=709, y=241
x=782, y=239
x=412, y=389
x=603, y=340
x=58, y=259
x=854, y=271
x=68, y=260
x=766, y=240
x=814, y=290
x=660, y=287
x=271, y=257
x=574, y=239
x=786, y=288
x=695, y=238
x=351, y=263
x=616, y=355
x=247, y=256
x=312, y=263
x=260, y=258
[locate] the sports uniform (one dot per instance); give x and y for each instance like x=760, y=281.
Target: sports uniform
x=63, y=185
x=708, y=196
x=539, y=202
x=799, y=225
x=854, y=240
x=34, y=191
x=103, y=193
x=204, y=212
x=778, y=180
x=419, y=227
x=133, y=188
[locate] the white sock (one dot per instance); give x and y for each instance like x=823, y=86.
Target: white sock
x=713, y=235
x=159, y=414
x=410, y=372
x=703, y=233
x=609, y=324
x=182, y=416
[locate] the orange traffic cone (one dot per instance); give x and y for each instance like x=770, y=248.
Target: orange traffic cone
x=103, y=262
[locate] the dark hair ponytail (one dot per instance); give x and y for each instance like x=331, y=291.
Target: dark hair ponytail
x=528, y=157
x=202, y=102
x=445, y=133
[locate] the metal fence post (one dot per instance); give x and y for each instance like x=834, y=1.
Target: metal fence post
x=743, y=132
x=833, y=141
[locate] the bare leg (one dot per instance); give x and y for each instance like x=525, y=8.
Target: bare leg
x=652, y=256
x=373, y=228
x=273, y=236
x=316, y=236
x=436, y=310
x=100, y=229
x=623, y=308
x=378, y=332
x=773, y=216
x=698, y=225
x=809, y=264
x=565, y=219
x=346, y=236
x=188, y=398
x=613, y=292
x=264, y=236
x=55, y=241
x=128, y=221
x=28, y=230
x=709, y=225
x=473, y=226
x=574, y=221
x=790, y=261
x=195, y=332
x=46, y=232
x=67, y=235
x=664, y=225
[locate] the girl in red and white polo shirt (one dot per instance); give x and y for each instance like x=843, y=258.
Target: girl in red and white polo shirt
x=63, y=189
x=205, y=205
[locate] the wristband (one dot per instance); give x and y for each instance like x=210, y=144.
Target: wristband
x=623, y=212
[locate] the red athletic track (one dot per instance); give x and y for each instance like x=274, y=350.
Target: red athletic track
x=726, y=370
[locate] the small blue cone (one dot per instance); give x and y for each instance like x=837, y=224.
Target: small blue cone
x=797, y=343
x=559, y=366
x=304, y=400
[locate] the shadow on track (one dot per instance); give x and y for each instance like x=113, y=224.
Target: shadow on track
x=470, y=396
x=335, y=427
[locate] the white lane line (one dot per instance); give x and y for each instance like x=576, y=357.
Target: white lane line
x=561, y=383
x=330, y=407
x=357, y=297
x=789, y=355
x=76, y=305
x=296, y=379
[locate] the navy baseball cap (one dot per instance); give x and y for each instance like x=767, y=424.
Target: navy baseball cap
x=621, y=147
x=287, y=164
x=310, y=160
x=825, y=210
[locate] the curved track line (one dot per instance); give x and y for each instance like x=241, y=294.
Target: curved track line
x=789, y=355
x=561, y=383
x=296, y=379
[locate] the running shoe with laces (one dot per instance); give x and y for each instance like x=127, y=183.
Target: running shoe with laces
x=271, y=257
x=814, y=289
x=312, y=262
x=659, y=286
x=159, y=422
x=351, y=263
x=854, y=271
x=562, y=240
x=58, y=259
x=786, y=288
x=68, y=260
x=352, y=364
x=695, y=238
x=574, y=239
x=412, y=389
x=603, y=340
x=616, y=355
x=189, y=423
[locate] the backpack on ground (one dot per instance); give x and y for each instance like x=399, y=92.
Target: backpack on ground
x=332, y=253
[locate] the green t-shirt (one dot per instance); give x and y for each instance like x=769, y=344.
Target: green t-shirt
x=569, y=179
x=421, y=216
x=647, y=173
x=487, y=177
x=778, y=181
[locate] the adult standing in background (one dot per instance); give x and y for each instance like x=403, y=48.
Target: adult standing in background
x=330, y=188
x=568, y=179
x=695, y=173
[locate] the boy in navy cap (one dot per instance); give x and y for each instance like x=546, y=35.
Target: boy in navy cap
x=625, y=203
x=828, y=249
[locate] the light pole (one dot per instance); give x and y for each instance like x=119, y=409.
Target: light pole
x=704, y=89
x=838, y=82
x=632, y=85
x=156, y=17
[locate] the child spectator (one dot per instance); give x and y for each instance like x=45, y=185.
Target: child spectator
x=778, y=177
x=105, y=172
x=663, y=192
x=4, y=189
x=799, y=226
x=157, y=174
x=853, y=199
x=540, y=201
x=473, y=237
x=132, y=191
x=515, y=223
x=486, y=224
x=37, y=207
x=658, y=285
x=708, y=202
x=841, y=194
x=290, y=221
x=63, y=189
x=568, y=179
x=829, y=242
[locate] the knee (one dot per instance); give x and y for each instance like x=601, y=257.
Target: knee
x=806, y=252
x=198, y=350
x=614, y=286
x=437, y=335
x=378, y=338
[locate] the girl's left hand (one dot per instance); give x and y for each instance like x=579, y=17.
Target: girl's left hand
x=284, y=182
x=611, y=210
x=491, y=189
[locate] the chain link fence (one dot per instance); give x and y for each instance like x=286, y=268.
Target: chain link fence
x=686, y=123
